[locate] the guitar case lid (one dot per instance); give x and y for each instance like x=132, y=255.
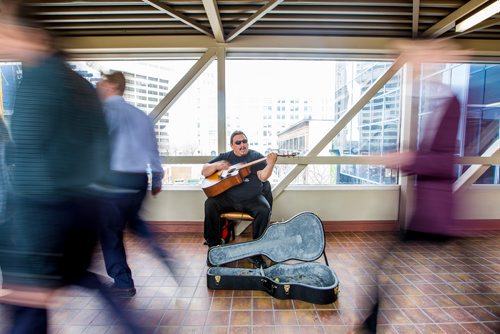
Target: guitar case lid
x=302, y=238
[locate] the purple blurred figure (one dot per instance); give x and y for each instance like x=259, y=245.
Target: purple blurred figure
x=433, y=165
x=433, y=162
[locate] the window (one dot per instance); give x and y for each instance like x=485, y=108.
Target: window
x=300, y=100
x=193, y=117
x=476, y=86
x=10, y=76
x=312, y=87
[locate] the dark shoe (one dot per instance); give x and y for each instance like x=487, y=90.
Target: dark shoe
x=123, y=292
x=159, y=252
x=257, y=261
x=370, y=323
x=409, y=236
x=212, y=243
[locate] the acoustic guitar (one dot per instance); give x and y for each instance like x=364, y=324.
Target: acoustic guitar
x=223, y=180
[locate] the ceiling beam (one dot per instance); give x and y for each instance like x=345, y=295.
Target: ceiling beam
x=52, y=3
x=252, y=19
x=117, y=25
x=221, y=100
x=449, y=21
x=183, y=84
x=107, y=18
x=329, y=45
x=415, y=18
x=178, y=15
x=352, y=26
x=142, y=7
x=96, y=10
x=214, y=19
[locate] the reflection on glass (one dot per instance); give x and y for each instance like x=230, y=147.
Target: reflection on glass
x=476, y=85
x=375, y=129
x=289, y=106
x=10, y=76
x=191, y=122
x=148, y=82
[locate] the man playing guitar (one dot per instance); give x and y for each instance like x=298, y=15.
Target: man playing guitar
x=247, y=196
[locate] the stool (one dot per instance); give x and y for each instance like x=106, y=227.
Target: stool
x=243, y=220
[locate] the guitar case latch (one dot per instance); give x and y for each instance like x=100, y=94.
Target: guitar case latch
x=217, y=279
x=268, y=286
x=286, y=287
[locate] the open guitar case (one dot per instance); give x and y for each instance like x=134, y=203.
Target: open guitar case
x=302, y=239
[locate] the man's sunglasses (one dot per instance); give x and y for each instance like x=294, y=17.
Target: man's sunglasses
x=238, y=142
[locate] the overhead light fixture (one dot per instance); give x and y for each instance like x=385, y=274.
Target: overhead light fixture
x=480, y=16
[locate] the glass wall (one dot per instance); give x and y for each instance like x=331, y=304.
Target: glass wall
x=10, y=74
x=289, y=105
x=375, y=130
x=482, y=115
x=188, y=127
x=476, y=87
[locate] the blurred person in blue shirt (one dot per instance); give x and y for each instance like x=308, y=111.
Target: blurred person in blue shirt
x=134, y=150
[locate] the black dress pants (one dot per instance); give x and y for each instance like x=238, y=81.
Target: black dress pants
x=28, y=320
x=51, y=244
x=258, y=207
x=121, y=210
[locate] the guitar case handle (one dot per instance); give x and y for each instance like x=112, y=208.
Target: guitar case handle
x=326, y=259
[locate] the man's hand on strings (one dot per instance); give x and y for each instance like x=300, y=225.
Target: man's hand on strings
x=223, y=165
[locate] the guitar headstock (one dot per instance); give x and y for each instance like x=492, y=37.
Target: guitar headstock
x=288, y=155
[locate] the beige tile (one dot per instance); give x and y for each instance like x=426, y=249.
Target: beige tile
x=218, y=318
x=307, y=317
x=219, y=304
x=262, y=303
x=195, y=318
x=242, y=304
x=241, y=318
x=433, y=289
x=285, y=318
x=263, y=318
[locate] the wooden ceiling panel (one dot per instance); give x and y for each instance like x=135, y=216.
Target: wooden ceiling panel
x=394, y=18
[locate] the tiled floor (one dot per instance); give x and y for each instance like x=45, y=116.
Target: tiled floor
x=423, y=288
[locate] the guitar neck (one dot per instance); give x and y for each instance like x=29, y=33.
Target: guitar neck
x=251, y=163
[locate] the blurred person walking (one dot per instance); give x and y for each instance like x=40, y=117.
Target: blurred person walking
x=432, y=219
x=5, y=187
x=59, y=148
x=4, y=174
x=134, y=155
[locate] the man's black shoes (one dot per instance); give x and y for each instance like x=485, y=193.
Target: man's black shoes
x=123, y=292
x=370, y=324
x=210, y=243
